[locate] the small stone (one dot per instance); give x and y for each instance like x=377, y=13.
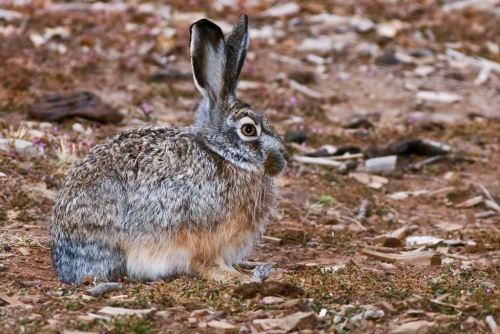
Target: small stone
x=393, y=243
x=295, y=234
x=200, y=313
x=455, y=76
x=279, y=10
x=24, y=147
x=357, y=122
x=295, y=137
x=424, y=70
x=103, y=288
x=443, y=97
x=30, y=283
x=77, y=127
x=24, y=251
x=7, y=247
x=471, y=246
x=302, y=77
x=116, y=311
x=388, y=58
x=222, y=326
x=269, y=300
x=9, y=15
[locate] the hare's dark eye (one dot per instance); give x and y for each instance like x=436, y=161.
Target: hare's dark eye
x=249, y=130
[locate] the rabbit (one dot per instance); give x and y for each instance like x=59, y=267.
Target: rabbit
x=153, y=201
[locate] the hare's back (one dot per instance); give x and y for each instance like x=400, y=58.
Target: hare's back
x=105, y=183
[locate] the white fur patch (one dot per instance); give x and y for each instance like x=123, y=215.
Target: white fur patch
x=142, y=263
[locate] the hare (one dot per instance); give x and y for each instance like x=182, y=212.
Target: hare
x=154, y=201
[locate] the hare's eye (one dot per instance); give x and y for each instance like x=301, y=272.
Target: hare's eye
x=249, y=130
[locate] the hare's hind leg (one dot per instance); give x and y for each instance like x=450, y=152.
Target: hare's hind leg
x=223, y=273
x=76, y=259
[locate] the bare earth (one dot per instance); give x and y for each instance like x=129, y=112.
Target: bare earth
x=340, y=266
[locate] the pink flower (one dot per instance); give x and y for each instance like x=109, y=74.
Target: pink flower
x=146, y=108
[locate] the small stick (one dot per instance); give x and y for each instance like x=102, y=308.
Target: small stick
x=451, y=157
x=430, y=160
x=285, y=59
x=306, y=90
x=492, y=205
x=102, y=288
x=346, y=156
x=270, y=240
x=440, y=191
x=318, y=161
x=354, y=221
x=491, y=202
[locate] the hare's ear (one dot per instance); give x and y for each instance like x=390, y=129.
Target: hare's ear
x=208, y=59
x=236, y=50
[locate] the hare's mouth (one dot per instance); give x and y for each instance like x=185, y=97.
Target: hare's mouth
x=276, y=163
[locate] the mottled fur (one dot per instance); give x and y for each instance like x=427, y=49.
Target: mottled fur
x=154, y=201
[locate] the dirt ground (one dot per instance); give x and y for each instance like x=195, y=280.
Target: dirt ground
x=351, y=74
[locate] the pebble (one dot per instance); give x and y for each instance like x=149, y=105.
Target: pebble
x=24, y=147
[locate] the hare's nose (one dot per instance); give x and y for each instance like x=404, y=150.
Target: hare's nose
x=285, y=154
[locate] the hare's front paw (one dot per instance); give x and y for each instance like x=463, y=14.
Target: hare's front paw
x=228, y=275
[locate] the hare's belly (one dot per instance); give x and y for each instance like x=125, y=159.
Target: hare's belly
x=157, y=261
x=188, y=252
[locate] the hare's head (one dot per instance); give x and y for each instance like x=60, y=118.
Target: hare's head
x=225, y=124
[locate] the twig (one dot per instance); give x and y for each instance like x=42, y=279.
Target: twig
x=440, y=191
x=387, y=250
x=318, y=161
x=285, y=59
x=490, y=202
x=346, y=156
x=474, y=61
x=354, y=221
x=413, y=257
x=450, y=157
x=466, y=3
x=270, y=240
x=420, y=164
x=306, y=90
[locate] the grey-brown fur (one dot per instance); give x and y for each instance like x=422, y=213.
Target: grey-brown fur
x=157, y=201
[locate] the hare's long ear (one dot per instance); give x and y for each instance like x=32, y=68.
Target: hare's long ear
x=208, y=58
x=236, y=50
